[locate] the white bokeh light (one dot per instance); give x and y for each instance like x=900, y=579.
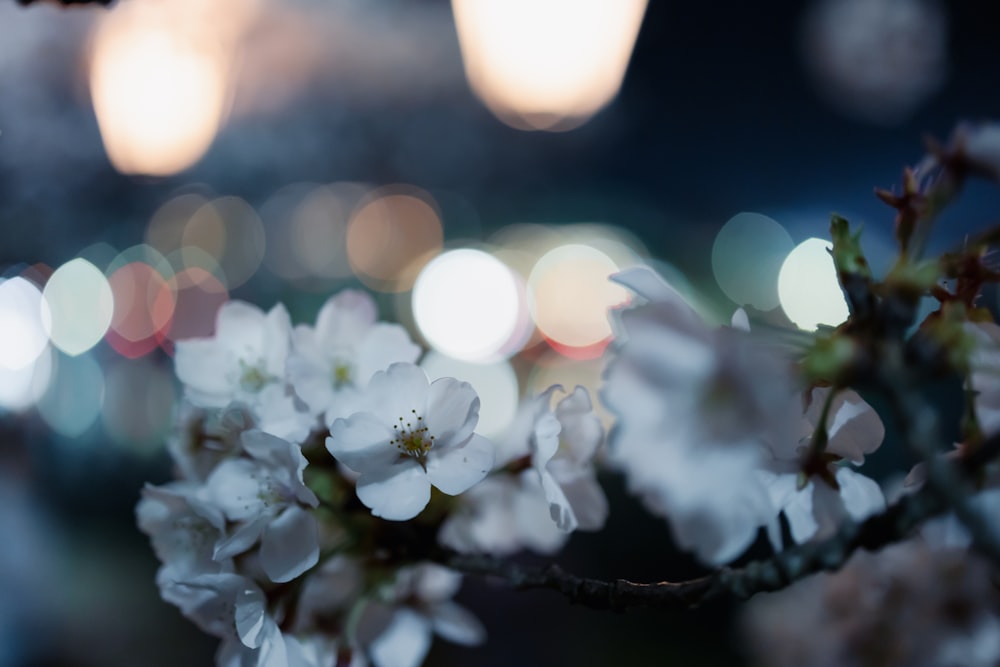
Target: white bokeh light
x=25, y=323
x=466, y=304
x=496, y=385
x=808, y=288
x=80, y=300
x=21, y=388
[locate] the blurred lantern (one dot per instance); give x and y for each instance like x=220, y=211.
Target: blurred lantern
x=546, y=64
x=160, y=80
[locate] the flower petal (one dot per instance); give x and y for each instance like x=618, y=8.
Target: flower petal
x=383, y=345
x=452, y=410
x=345, y=319
x=587, y=500
x=397, y=492
x=234, y=488
x=361, y=442
x=456, y=624
x=456, y=469
x=581, y=427
x=206, y=371
x=289, y=545
x=559, y=508
x=397, y=391
x=404, y=643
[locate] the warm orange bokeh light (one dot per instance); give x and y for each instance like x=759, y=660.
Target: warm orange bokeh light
x=391, y=237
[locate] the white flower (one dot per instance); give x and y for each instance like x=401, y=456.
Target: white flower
x=502, y=515
x=695, y=407
x=397, y=628
x=564, y=465
x=246, y=354
x=412, y=434
x=337, y=357
x=815, y=509
x=265, y=494
x=183, y=529
x=244, y=362
x=544, y=486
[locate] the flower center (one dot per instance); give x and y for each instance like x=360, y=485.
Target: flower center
x=254, y=377
x=411, y=436
x=341, y=375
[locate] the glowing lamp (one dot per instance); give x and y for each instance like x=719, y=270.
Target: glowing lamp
x=546, y=64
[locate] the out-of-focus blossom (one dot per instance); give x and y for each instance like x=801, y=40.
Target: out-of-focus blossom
x=544, y=484
x=813, y=489
x=264, y=493
x=409, y=435
x=244, y=362
x=908, y=604
x=397, y=627
x=694, y=408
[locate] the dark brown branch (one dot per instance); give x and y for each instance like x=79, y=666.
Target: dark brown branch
x=893, y=525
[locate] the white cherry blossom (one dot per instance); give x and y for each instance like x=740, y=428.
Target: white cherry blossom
x=331, y=361
x=266, y=497
x=814, y=489
x=411, y=434
x=695, y=407
x=244, y=361
x=398, y=625
x=183, y=529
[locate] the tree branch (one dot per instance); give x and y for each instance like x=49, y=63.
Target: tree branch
x=894, y=524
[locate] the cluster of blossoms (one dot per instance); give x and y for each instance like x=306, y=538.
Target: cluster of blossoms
x=324, y=482
x=300, y=452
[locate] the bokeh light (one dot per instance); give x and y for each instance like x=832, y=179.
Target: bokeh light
x=159, y=80
x=546, y=64
x=144, y=301
x=75, y=395
x=21, y=388
x=495, y=383
x=746, y=258
x=290, y=215
x=81, y=303
x=876, y=60
x=391, y=236
x=224, y=236
x=25, y=323
x=198, y=296
x=318, y=229
x=570, y=295
x=808, y=287
x=466, y=304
